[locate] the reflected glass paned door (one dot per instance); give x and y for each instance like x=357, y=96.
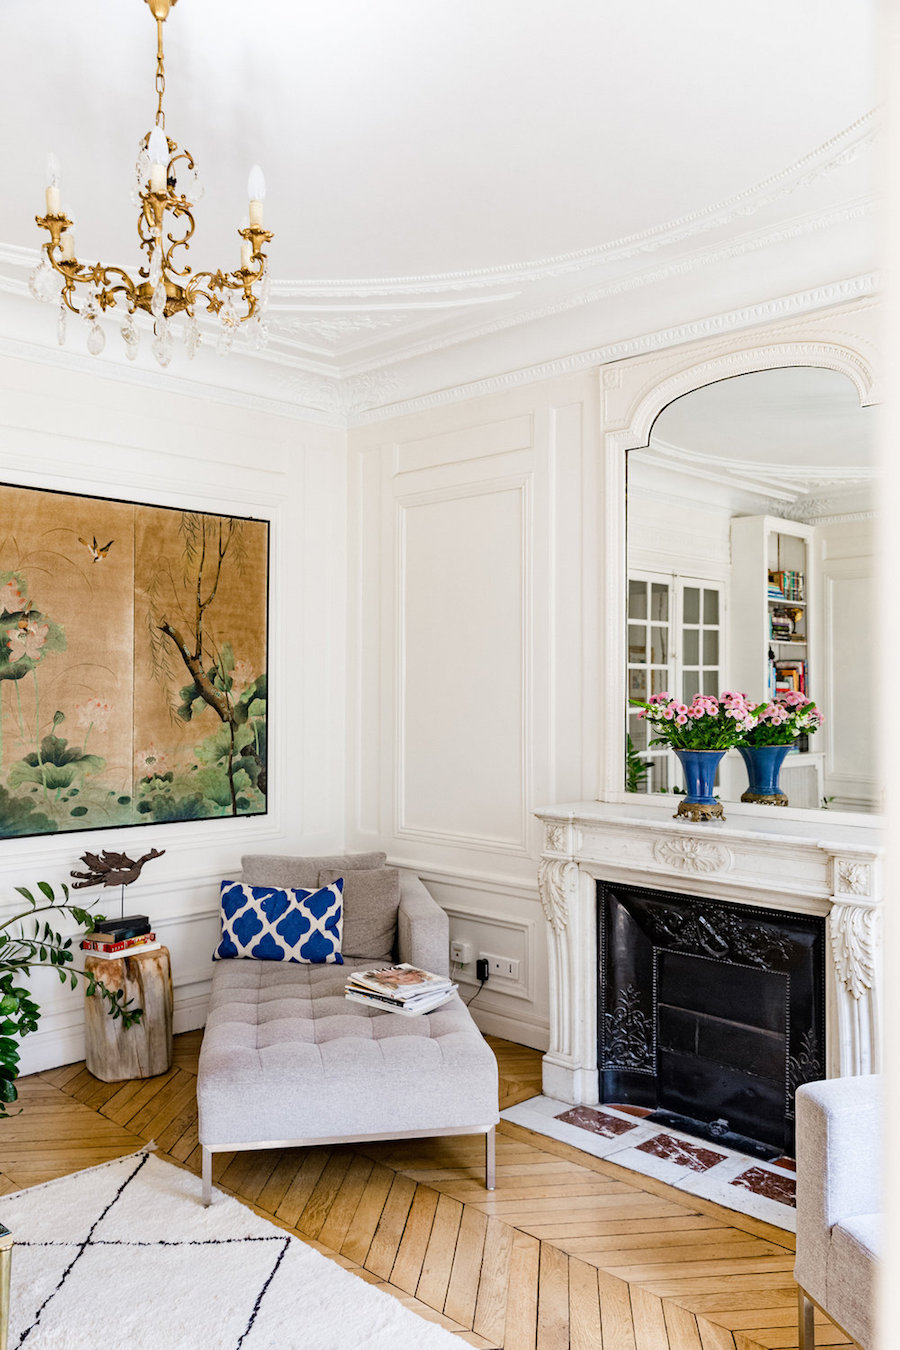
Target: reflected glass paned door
x=649, y=666
x=675, y=643
x=701, y=643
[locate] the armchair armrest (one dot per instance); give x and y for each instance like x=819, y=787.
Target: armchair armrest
x=423, y=929
x=838, y=1172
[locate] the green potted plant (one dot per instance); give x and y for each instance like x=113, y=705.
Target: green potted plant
x=47, y=948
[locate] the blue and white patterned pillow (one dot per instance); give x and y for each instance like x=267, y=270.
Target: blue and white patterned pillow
x=269, y=924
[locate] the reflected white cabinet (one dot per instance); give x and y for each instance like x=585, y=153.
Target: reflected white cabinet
x=772, y=591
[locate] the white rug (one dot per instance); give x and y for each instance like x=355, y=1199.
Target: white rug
x=125, y=1255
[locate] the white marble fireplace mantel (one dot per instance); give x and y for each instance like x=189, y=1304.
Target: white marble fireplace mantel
x=812, y=864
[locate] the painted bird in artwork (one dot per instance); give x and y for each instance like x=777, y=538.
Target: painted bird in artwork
x=98, y=552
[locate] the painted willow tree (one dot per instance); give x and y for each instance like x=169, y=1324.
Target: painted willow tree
x=181, y=621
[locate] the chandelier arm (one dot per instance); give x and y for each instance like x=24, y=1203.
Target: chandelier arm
x=75, y=273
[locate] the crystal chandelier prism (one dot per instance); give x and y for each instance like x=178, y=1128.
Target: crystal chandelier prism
x=166, y=188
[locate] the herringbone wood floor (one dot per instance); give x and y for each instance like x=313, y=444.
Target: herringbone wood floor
x=569, y=1251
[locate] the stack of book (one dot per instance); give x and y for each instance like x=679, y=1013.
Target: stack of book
x=120, y=937
x=401, y=989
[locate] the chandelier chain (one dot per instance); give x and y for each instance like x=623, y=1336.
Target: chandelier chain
x=160, y=75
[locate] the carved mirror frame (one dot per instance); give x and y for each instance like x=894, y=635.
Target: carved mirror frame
x=633, y=393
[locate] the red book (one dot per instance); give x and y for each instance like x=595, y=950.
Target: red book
x=93, y=945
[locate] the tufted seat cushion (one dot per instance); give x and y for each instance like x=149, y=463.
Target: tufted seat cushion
x=286, y=1057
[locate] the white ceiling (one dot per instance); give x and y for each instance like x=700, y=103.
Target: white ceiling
x=442, y=173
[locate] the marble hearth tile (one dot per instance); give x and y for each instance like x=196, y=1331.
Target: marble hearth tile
x=679, y=1150
x=542, y=1115
x=667, y=1157
x=717, y=1185
x=762, y=1181
x=596, y=1120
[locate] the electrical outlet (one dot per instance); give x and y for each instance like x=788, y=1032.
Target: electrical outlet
x=502, y=965
x=461, y=952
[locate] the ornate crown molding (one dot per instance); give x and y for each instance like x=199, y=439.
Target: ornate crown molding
x=784, y=307
x=678, y=267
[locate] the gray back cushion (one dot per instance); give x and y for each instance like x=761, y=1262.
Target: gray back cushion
x=371, y=901
x=275, y=869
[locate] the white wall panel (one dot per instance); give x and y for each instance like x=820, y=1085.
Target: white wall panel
x=471, y=694
x=462, y=682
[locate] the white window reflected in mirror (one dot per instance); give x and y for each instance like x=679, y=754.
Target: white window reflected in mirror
x=675, y=637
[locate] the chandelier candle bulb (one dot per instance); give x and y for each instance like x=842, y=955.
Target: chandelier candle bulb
x=256, y=191
x=52, y=193
x=246, y=258
x=67, y=244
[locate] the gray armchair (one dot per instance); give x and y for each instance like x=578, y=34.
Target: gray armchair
x=838, y=1203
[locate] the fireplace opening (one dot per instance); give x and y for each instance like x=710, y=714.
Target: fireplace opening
x=711, y=1013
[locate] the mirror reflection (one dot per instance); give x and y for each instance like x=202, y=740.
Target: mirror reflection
x=751, y=567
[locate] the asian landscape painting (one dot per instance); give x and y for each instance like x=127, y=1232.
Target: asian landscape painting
x=133, y=681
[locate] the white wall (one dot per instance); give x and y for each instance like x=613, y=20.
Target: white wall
x=470, y=703
x=95, y=433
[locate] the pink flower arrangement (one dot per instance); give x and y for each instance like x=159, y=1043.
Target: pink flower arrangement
x=783, y=719
x=708, y=723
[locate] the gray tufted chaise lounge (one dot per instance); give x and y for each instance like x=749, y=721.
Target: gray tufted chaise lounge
x=288, y=1061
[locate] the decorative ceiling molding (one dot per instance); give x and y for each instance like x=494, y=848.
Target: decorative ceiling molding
x=678, y=267
x=803, y=302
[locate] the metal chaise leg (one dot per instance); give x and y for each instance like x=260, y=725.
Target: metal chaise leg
x=490, y=1157
x=207, y=1174
x=806, y=1321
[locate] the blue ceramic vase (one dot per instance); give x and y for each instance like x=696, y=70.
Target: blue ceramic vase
x=699, y=768
x=763, y=767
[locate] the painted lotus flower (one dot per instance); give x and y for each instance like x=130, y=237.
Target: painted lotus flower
x=27, y=641
x=94, y=713
x=12, y=601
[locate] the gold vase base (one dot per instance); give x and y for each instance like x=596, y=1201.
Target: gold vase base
x=697, y=812
x=772, y=799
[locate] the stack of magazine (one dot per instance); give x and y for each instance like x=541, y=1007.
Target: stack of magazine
x=401, y=989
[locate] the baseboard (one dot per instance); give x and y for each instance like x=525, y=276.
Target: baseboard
x=514, y=1029
x=190, y=1013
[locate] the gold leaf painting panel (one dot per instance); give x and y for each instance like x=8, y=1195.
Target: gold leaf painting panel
x=200, y=665
x=84, y=694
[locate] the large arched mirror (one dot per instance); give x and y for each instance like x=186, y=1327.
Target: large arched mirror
x=751, y=566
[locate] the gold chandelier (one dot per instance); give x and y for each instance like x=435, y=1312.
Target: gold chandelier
x=166, y=188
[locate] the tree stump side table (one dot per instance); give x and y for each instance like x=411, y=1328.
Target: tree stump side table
x=113, y=1052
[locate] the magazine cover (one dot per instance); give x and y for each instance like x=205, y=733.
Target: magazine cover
x=403, y=981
